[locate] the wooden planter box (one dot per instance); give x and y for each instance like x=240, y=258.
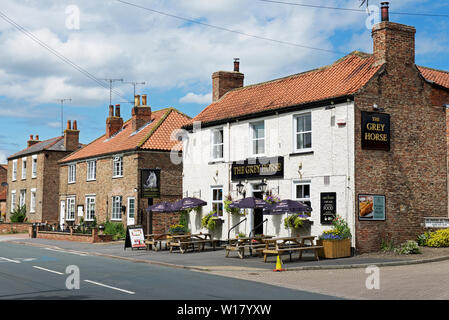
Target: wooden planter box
x=334, y=248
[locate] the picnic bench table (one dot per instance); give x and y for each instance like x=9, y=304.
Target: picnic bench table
x=239, y=245
x=289, y=245
x=153, y=240
x=185, y=242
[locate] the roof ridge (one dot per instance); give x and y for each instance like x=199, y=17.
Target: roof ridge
x=40, y=142
x=155, y=127
x=433, y=69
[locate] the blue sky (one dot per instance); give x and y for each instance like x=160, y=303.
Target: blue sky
x=175, y=58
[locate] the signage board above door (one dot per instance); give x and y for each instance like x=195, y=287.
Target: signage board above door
x=258, y=168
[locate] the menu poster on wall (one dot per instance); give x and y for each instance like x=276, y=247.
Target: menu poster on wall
x=371, y=207
x=134, y=237
x=328, y=207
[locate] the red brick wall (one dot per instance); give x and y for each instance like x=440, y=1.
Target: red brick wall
x=17, y=227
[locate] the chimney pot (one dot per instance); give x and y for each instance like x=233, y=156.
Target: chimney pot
x=385, y=11
x=31, y=137
x=137, y=100
x=236, y=64
x=117, y=110
x=69, y=125
x=144, y=99
x=37, y=137
x=111, y=110
x=75, y=126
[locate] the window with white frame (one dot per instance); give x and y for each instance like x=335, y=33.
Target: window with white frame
x=217, y=144
x=91, y=170
x=22, y=199
x=24, y=168
x=70, y=216
x=34, y=166
x=117, y=167
x=257, y=138
x=303, y=132
x=72, y=173
x=14, y=170
x=33, y=201
x=217, y=200
x=301, y=192
x=13, y=200
x=116, y=208
x=90, y=208
x=131, y=208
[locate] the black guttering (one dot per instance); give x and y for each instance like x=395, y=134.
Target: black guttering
x=309, y=105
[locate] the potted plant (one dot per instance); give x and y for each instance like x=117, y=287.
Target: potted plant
x=270, y=198
x=234, y=211
x=336, y=242
x=296, y=221
x=176, y=229
x=210, y=221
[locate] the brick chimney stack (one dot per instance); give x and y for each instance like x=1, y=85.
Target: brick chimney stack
x=71, y=136
x=114, y=122
x=224, y=81
x=141, y=114
x=394, y=43
x=32, y=140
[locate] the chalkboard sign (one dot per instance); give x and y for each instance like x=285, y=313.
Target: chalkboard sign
x=135, y=237
x=328, y=207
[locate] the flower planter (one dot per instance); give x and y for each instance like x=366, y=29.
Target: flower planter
x=334, y=248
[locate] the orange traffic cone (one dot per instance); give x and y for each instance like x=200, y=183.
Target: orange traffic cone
x=279, y=265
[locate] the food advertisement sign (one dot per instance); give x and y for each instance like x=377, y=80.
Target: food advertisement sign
x=371, y=207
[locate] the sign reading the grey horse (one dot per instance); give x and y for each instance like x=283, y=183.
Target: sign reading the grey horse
x=260, y=168
x=150, y=183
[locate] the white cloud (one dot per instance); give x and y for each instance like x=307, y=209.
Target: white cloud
x=197, y=98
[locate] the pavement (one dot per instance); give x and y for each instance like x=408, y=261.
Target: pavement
x=210, y=260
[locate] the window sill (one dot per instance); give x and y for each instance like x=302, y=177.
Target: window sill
x=116, y=177
x=88, y=180
x=71, y=182
x=301, y=153
x=116, y=219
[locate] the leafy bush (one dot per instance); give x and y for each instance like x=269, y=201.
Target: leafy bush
x=209, y=221
x=422, y=239
x=439, y=238
x=409, y=247
x=19, y=214
x=116, y=229
x=295, y=221
x=387, y=245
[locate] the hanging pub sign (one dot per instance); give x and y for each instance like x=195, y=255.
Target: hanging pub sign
x=150, y=181
x=328, y=207
x=371, y=207
x=375, y=131
x=258, y=168
x=134, y=237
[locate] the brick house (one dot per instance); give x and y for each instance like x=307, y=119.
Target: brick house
x=370, y=129
x=33, y=180
x=3, y=189
x=102, y=180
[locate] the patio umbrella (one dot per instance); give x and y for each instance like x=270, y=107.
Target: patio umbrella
x=163, y=206
x=249, y=203
x=188, y=203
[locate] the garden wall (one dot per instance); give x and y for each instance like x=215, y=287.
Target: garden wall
x=14, y=227
x=65, y=236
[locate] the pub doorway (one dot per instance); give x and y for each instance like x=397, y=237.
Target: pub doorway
x=258, y=215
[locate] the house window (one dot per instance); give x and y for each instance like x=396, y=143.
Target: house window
x=34, y=167
x=301, y=192
x=22, y=199
x=217, y=144
x=217, y=201
x=116, y=208
x=33, y=201
x=303, y=132
x=13, y=200
x=24, y=168
x=117, y=167
x=258, y=138
x=131, y=208
x=72, y=173
x=90, y=208
x=91, y=170
x=70, y=209
x=14, y=170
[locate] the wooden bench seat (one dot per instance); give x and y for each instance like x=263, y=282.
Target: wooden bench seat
x=185, y=244
x=241, y=248
x=279, y=250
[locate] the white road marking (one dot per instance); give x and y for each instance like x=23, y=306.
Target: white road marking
x=66, y=251
x=106, y=286
x=48, y=270
x=9, y=260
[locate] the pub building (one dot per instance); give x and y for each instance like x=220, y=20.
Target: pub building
x=364, y=138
